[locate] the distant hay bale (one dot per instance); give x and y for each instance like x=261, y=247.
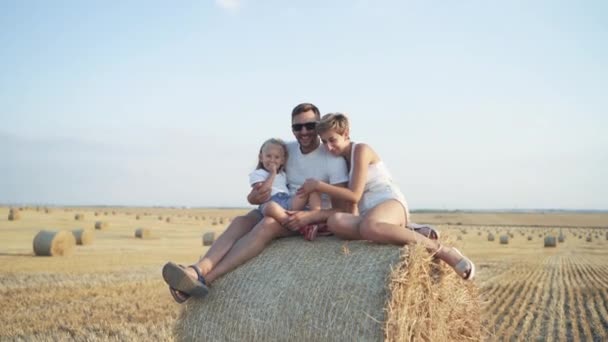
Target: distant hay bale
x=79, y=217
x=214, y=223
x=143, y=233
x=221, y=220
x=504, y=239
x=511, y=236
x=101, y=225
x=478, y=233
x=373, y=293
x=83, y=236
x=47, y=210
x=490, y=237
x=160, y=218
x=589, y=239
x=561, y=238
x=168, y=220
x=54, y=243
x=14, y=214
x=96, y=213
x=550, y=241
x=208, y=238
x=529, y=237
x=137, y=217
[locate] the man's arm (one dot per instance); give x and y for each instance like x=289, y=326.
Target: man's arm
x=258, y=195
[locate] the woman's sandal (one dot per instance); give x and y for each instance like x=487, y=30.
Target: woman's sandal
x=178, y=280
x=425, y=230
x=465, y=268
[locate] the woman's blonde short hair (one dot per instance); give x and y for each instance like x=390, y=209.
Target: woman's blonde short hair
x=336, y=122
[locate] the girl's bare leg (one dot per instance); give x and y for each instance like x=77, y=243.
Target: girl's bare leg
x=274, y=210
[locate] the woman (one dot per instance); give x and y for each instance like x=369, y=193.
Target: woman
x=383, y=212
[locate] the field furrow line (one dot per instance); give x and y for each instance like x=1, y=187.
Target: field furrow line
x=598, y=299
x=559, y=322
x=507, y=291
x=598, y=280
x=519, y=311
x=571, y=327
x=593, y=320
x=582, y=319
x=549, y=310
x=533, y=329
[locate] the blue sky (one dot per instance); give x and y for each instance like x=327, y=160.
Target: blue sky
x=472, y=104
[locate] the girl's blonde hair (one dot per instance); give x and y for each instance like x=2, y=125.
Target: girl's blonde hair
x=336, y=122
x=273, y=141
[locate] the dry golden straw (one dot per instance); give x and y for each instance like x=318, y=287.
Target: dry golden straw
x=83, y=236
x=301, y=291
x=53, y=243
x=143, y=233
x=208, y=238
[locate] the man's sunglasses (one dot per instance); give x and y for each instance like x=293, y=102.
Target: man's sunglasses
x=309, y=126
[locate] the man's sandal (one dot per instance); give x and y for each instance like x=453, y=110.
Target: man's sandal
x=178, y=280
x=178, y=296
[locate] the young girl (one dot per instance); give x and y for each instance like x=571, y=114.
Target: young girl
x=383, y=212
x=271, y=173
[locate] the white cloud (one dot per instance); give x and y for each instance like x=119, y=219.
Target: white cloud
x=231, y=5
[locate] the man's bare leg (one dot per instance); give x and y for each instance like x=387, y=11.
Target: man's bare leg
x=240, y=226
x=249, y=246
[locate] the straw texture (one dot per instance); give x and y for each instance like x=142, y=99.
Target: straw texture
x=296, y=290
x=332, y=290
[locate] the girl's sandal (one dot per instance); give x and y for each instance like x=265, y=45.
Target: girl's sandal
x=465, y=268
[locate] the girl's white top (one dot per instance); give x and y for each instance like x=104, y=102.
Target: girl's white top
x=279, y=184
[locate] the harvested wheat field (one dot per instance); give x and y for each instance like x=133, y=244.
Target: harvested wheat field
x=112, y=289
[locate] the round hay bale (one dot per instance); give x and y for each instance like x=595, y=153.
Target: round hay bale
x=550, y=241
x=490, y=237
x=160, y=218
x=589, y=239
x=504, y=239
x=137, y=217
x=529, y=237
x=96, y=213
x=53, y=243
x=561, y=238
x=83, y=236
x=101, y=225
x=79, y=217
x=13, y=215
x=221, y=220
x=143, y=233
x=47, y=210
x=208, y=238
x=168, y=220
x=372, y=293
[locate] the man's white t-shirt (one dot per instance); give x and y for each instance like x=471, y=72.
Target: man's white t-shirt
x=319, y=164
x=279, y=183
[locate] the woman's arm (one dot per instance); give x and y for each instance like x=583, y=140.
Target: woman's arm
x=363, y=157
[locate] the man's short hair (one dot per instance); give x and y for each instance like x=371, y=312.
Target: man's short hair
x=305, y=107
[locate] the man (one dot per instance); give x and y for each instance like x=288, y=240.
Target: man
x=248, y=235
